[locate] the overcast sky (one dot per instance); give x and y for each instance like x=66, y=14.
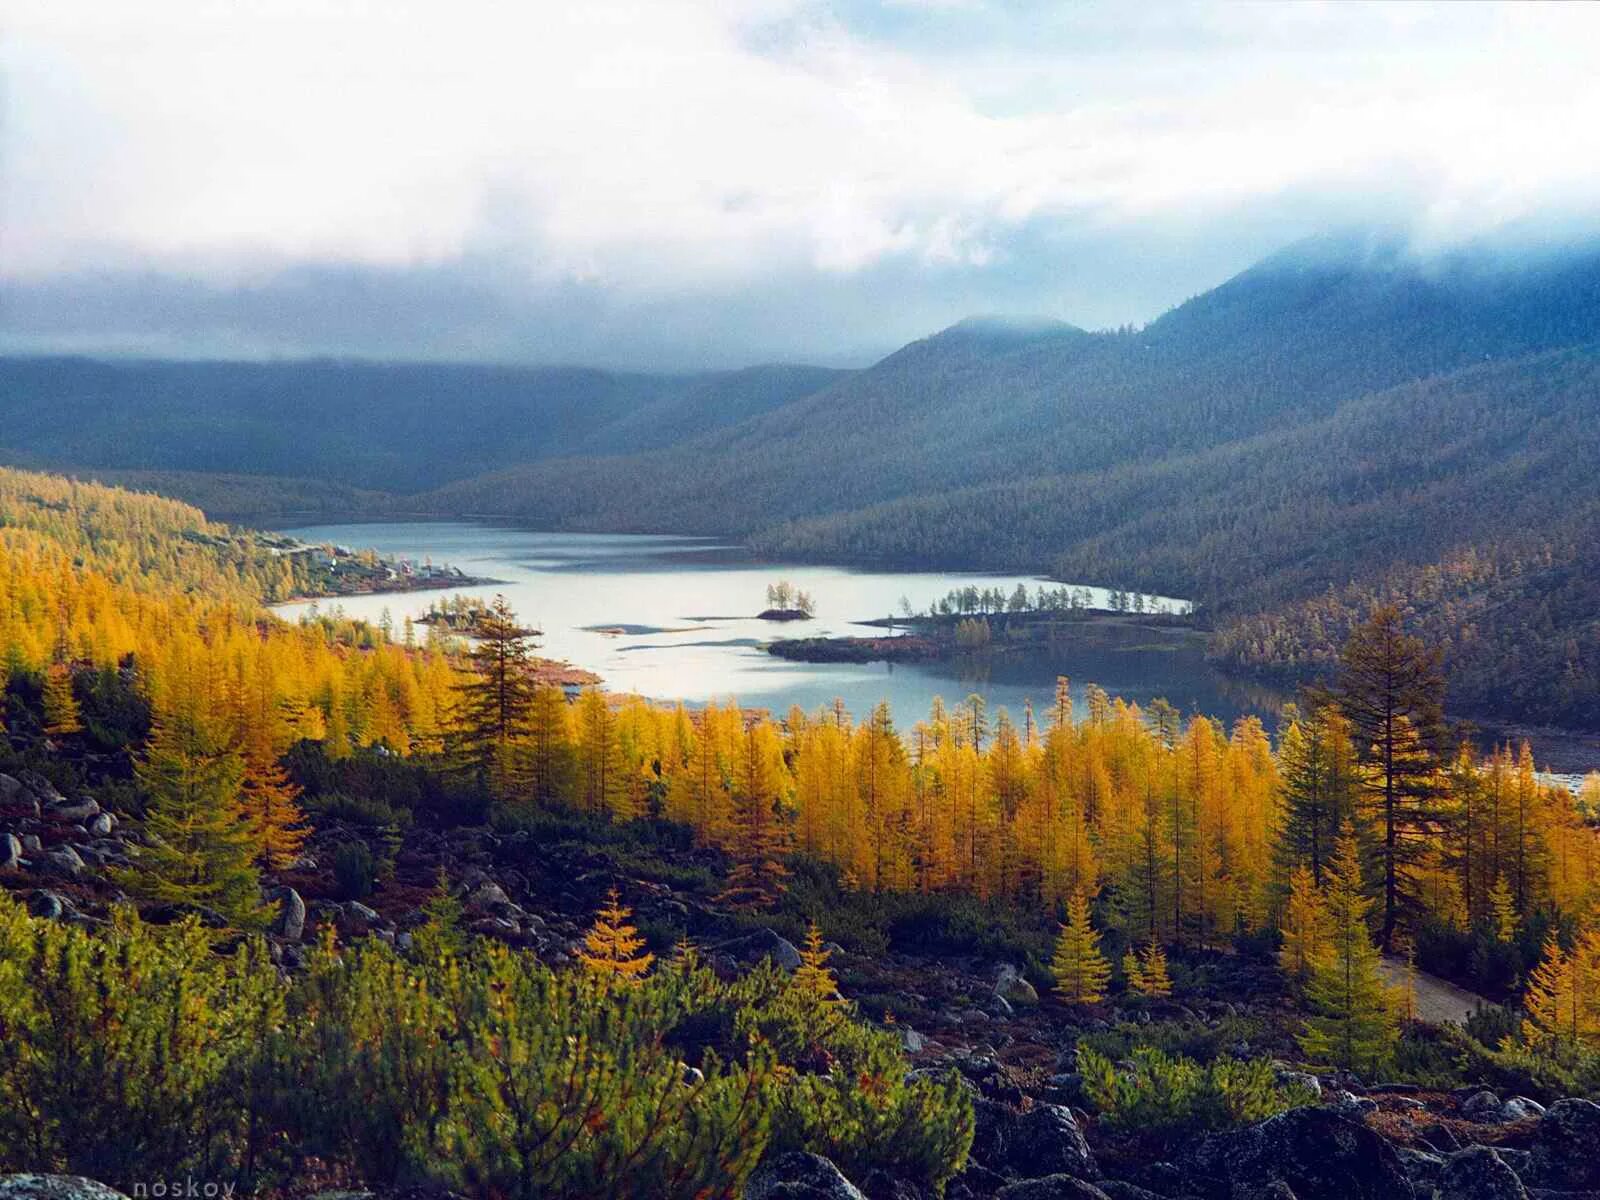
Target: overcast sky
x=676, y=183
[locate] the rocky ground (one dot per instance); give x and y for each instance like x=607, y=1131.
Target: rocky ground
x=1015, y=1050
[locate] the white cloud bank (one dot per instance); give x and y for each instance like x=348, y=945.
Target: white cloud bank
x=656, y=156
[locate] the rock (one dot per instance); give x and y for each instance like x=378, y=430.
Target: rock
x=360, y=912
x=1477, y=1173
x=911, y=1041
x=54, y=1187
x=999, y=1007
x=993, y=1129
x=1520, y=1108
x=1319, y=1154
x=102, y=825
x=1046, y=1140
x=170, y=914
x=1012, y=987
x=10, y=852
x=1051, y=1187
x=763, y=943
x=1301, y=1079
x=1117, y=1189
x=63, y=860
x=83, y=810
x=1352, y=1106
x=487, y=894
x=11, y=789
x=42, y=789
x=52, y=906
x=291, y=919
x=800, y=1176
x=879, y=1184
x=1420, y=1167
x=1483, y=1106
x=31, y=843
x=1564, y=1154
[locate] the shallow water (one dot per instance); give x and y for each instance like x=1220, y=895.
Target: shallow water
x=673, y=618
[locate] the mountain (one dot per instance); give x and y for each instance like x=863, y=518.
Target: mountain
x=1288, y=344
x=400, y=427
x=1348, y=414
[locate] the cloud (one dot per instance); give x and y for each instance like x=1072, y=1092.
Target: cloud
x=721, y=180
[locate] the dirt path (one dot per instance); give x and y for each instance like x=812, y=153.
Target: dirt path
x=1437, y=999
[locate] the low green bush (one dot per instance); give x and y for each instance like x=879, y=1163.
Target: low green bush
x=136, y=1052
x=1161, y=1093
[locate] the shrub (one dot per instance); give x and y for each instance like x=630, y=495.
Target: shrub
x=1165, y=1093
x=354, y=870
x=138, y=1052
x=128, y=1054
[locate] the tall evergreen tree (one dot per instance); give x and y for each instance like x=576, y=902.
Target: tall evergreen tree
x=1079, y=968
x=1353, y=1022
x=60, y=705
x=495, y=700
x=1391, y=690
x=201, y=845
x=1317, y=764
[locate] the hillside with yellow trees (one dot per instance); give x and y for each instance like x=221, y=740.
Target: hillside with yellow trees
x=300, y=903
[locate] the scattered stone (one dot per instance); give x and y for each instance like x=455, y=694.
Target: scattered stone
x=763, y=943
x=1421, y=1167
x=1564, y=1152
x=10, y=852
x=1483, y=1106
x=1046, y=1140
x=63, y=860
x=1118, y=1189
x=11, y=789
x=1477, y=1173
x=84, y=810
x=54, y=1187
x=1301, y=1079
x=360, y=912
x=170, y=914
x=31, y=843
x=102, y=825
x=487, y=894
x=52, y=906
x=799, y=1176
x=291, y=919
x=1051, y=1187
x=911, y=1041
x=1520, y=1108
x=1319, y=1154
x=1013, y=988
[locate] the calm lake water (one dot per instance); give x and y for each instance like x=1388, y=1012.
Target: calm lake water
x=674, y=618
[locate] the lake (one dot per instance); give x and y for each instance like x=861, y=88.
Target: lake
x=674, y=618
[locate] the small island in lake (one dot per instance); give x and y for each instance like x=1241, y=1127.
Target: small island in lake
x=974, y=622
x=785, y=602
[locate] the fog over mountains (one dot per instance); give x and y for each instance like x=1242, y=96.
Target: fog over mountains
x=1343, y=409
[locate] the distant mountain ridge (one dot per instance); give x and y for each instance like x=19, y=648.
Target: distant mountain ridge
x=1346, y=414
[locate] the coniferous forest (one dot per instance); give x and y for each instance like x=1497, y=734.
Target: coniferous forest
x=799, y=600
x=325, y=904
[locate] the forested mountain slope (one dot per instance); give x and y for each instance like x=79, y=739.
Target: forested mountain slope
x=1280, y=346
x=399, y=427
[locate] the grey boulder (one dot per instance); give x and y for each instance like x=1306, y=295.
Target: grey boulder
x=800, y=1176
x=1478, y=1173
x=54, y=1187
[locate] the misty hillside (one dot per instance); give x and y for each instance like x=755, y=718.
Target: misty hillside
x=1280, y=347
x=400, y=427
